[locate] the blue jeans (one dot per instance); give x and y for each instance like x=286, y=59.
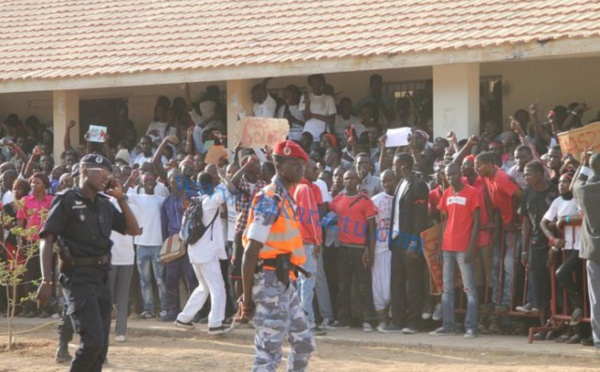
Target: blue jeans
x=306, y=286
x=511, y=244
x=146, y=257
x=322, y=291
x=466, y=273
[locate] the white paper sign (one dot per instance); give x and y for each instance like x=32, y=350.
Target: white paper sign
x=397, y=137
x=97, y=133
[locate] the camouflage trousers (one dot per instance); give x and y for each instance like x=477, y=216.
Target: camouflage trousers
x=279, y=315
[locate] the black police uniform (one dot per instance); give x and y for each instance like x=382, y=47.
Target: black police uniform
x=84, y=226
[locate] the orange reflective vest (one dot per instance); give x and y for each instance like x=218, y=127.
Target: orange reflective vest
x=284, y=236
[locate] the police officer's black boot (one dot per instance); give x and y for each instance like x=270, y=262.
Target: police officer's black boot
x=62, y=353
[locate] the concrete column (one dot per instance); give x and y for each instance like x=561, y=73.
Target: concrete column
x=239, y=105
x=456, y=100
x=66, y=108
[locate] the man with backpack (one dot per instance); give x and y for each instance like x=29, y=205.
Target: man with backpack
x=203, y=232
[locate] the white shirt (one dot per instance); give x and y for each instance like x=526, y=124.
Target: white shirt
x=295, y=133
x=149, y=218
x=122, y=252
x=383, y=203
x=342, y=125
x=211, y=245
x=160, y=127
x=397, y=210
x=159, y=189
x=8, y=197
x=563, y=208
x=325, y=196
x=266, y=109
x=320, y=105
x=141, y=159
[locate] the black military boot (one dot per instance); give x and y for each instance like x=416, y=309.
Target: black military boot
x=62, y=353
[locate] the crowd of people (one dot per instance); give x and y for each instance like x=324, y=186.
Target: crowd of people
x=513, y=210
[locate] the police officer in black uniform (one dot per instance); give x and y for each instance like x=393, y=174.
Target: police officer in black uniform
x=83, y=219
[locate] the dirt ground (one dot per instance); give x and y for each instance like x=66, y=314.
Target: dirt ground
x=231, y=354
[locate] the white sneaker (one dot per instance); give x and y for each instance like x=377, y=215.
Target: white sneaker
x=367, y=327
x=381, y=327
x=120, y=338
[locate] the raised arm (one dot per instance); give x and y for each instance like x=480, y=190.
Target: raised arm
x=67, y=137
x=466, y=150
x=234, y=183
x=585, y=160
x=35, y=157
x=116, y=191
x=384, y=159
x=135, y=175
x=451, y=137
x=538, y=130
x=190, y=148
x=574, y=115
x=16, y=149
x=188, y=98
x=516, y=127
x=157, y=158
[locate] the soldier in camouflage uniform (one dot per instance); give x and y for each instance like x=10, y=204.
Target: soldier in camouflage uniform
x=273, y=246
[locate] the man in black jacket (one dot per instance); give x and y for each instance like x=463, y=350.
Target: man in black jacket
x=409, y=219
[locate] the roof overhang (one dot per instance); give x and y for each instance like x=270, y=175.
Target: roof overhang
x=561, y=48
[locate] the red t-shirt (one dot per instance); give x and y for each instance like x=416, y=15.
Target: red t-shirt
x=459, y=210
x=353, y=213
x=485, y=236
x=307, y=213
x=501, y=190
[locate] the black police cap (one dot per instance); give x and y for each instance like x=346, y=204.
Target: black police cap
x=95, y=160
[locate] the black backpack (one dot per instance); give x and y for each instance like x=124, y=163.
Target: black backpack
x=192, y=228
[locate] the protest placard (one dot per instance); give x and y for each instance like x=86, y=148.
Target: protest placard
x=258, y=132
x=96, y=133
x=396, y=137
x=578, y=140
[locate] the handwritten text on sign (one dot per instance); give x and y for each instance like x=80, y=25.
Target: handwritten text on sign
x=258, y=132
x=579, y=140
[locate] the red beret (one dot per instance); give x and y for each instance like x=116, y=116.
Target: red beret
x=289, y=149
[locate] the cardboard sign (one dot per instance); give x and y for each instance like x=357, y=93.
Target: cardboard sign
x=215, y=154
x=430, y=238
x=258, y=132
x=97, y=133
x=578, y=140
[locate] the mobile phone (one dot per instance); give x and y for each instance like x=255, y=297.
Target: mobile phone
x=109, y=184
